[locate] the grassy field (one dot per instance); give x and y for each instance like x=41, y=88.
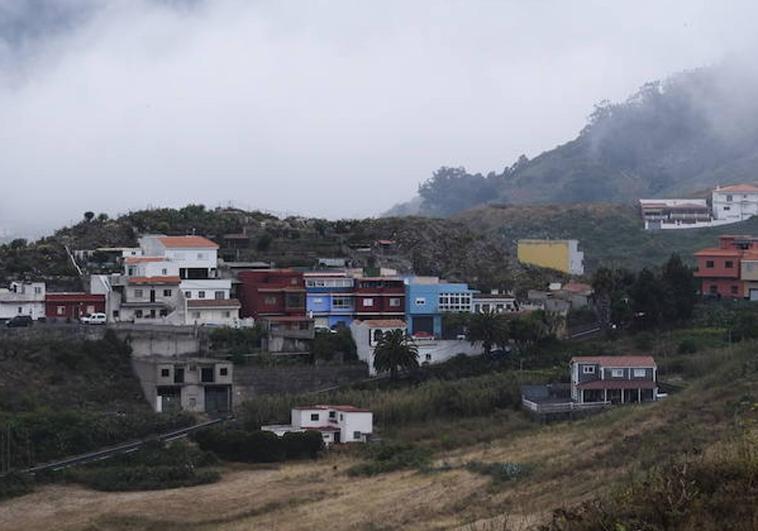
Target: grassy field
x=566, y=464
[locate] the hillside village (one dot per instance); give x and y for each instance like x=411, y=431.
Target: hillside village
x=217, y=343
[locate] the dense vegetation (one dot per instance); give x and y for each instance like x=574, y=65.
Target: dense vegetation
x=678, y=136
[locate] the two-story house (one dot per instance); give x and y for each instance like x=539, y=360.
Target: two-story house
x=23, y=298
x=613, y=379
x=272, y=293
x=200, y=385
x=337, y=424
x=428, y=298
x=735, y=203
x=731, y=269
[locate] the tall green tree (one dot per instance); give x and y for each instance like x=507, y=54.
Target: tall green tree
x=647, y=299
x=395, y=351
x=488, y=328
x=680, y=289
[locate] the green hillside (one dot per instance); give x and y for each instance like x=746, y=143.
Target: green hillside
x=608, y=234
x=674, y=137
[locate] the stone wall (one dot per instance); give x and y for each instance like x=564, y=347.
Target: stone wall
x=252, y=381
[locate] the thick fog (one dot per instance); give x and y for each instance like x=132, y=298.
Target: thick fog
x=321, y=108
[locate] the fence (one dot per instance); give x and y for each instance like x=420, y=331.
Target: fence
x=561, y=407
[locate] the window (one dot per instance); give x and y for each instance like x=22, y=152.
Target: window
x=640, y=373
x=138, y=293
x=188, y=294
x=269, y=300
x=727, y=208
x=342, y=303
x=206, y=375
x=164, y=313
x=729, y=264
x=60, y=310
x=709, y=263
x=164, y=271
x=314, y=417
x=394, y=302
x=90, y=310
x=617, y=373
x=428, y=357
x=166, y=292
x=178, y=374
x=227, y=314
x=138, y=314
x=219, y=295
x=368, y=302
x=38, y=291
x=356, y=435
x=201, y=256
x=332, y=414
x=165, y=373
x=200, y=294
x=317, y=300
x=728, y=198
x=734, y=289
x=420, y=301
x=20, y=309
x=196, y=315
x=223, y=371
x=588, y=369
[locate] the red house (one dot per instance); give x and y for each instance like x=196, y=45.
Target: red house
x=272, y=292
x=379, y=298
x=65, y=306
x=731, y=269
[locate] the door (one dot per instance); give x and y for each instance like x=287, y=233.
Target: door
x=337, y=438
x=423, y=324
x=152, y=295
x=217, y=399
x=754, y=294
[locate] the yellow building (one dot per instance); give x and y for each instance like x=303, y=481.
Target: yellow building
x=561, y=255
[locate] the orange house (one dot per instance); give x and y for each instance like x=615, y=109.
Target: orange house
x=731, y=269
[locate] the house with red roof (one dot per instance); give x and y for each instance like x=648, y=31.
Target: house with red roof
x=613, y=379
x=338, y=424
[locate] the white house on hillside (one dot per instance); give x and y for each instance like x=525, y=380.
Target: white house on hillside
x=735, y=203
x=23, y=298
x=337, y=424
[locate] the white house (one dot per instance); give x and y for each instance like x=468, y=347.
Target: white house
x=735, y=203
x=195, y=256
x=494, y=302
x=337, y=424
x=23, y=298
x=367, y=335
x=211, y=288
x=218, y=312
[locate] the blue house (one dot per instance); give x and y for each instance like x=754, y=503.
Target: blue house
x=330, y=298
x=428, y=298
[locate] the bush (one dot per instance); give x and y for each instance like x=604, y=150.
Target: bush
x=13, y=485
x=500, y=472
x=390, y=457
x=687, y=346
x=303, y=445
x=126, y=478
x=243, y=446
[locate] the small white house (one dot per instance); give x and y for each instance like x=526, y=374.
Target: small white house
x=218, y=312
x=23, y=298
x=337, y=424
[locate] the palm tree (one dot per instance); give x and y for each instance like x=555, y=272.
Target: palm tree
x=489, y=328
x=395, y=351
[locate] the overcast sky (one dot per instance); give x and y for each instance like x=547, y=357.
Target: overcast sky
x=326, y=108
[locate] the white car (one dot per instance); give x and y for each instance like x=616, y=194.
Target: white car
x=93, y=319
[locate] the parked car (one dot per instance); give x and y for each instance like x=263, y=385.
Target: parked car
x=93, y=319
x=20, y=321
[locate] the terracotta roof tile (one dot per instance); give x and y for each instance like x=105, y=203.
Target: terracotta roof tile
x=187, y=242
x=213, y=303
x=172, y=280
x=144, y=259
x=617, y=361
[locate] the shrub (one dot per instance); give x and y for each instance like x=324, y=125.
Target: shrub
x=500, y=472
x=243, y=446
x=13, y=485
x=126, y=478
x=307, y=444
x=687, y=346
x=390, y=457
